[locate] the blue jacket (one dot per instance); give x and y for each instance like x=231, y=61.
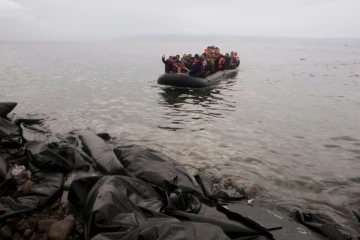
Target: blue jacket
x=197, y=67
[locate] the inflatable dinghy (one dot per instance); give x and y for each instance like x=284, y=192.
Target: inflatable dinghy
x=185, y=80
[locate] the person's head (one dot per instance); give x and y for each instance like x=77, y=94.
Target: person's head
x=232, y=53
x=226, y=55
x=192, y=59
x=235, y=53
x=178, y=57
x=189, y=56
x=170, y=58
x=196, y=59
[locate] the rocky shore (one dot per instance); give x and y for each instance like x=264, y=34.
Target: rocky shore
x=58, y=219
x=82, y=185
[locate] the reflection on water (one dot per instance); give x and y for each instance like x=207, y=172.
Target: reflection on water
x=186, y=106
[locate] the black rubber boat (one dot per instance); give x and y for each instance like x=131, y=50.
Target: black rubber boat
x=185, y=80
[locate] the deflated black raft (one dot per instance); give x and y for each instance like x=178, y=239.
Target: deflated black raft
x=185, y=80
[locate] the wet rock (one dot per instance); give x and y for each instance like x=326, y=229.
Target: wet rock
x=43, y=237
x=33, y=237
x=61, y=230
x=6, y=232
x=20, y=173
x=70, y=217
x=55, y=206
x=64, y=198
x=27, y=186
x=80, y=229
x=10, y=221
x=44, y=225
x=70, y=238
x=16, y=236
x=22, y=226
x=28, y=233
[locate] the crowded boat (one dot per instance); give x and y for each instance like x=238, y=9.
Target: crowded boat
x=200, y=66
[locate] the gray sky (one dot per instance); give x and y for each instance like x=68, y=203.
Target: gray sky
x=108, y=19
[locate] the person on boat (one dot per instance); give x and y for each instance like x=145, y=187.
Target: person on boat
x=168, y=63
x=196, y=68
x=227, y=61
x=210, y=64
x=237, y=58
x=204, y=57
x=174, y=66
x=203, y=67
x=182, y=68
x=221, y=63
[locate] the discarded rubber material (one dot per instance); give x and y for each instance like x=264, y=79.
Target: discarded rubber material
x=49, y=184
x=185, y=80
x=156, y=168
x=5, y=173
x=319, y=225
x=6, y=108
x=10, y=135
x=125, y=208
x=272, y=224
x=206, y=185
x=47, y=151
x=80, y=189
x=102, y=154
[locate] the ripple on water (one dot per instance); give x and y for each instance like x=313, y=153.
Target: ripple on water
x=262, y=130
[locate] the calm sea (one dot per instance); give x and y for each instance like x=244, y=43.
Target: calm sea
x=284, y=129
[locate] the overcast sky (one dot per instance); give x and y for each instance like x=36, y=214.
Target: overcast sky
x=108, y=19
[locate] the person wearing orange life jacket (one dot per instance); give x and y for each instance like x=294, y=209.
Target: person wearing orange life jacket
x=237, y=58
x=221, y=63
x=233, y=61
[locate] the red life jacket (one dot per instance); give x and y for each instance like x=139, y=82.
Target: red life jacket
x=174, y=68
x=221, y=63
x=203, y=68
x=183, y=70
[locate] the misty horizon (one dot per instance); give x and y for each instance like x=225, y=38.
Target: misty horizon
x=26, y=20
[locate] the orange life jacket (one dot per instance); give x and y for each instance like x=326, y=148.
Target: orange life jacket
x=221, y=63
